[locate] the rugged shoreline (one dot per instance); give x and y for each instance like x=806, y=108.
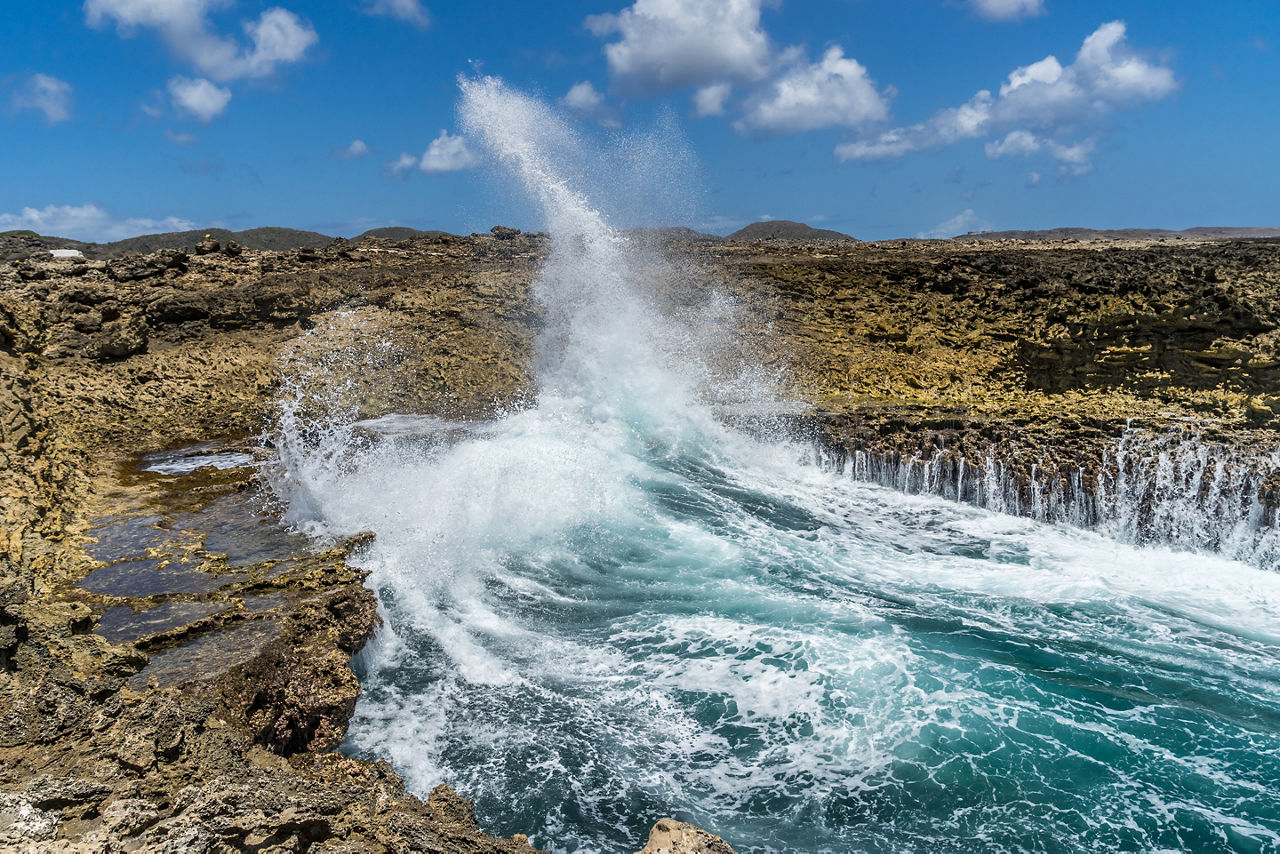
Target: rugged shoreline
x=924, y=359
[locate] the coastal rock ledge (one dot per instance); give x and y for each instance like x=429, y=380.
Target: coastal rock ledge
x=175, y=670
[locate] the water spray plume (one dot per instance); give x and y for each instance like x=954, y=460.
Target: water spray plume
x=607, y=606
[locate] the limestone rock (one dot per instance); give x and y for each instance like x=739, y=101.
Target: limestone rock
x=669, y=836
x=1032, y=354
x=23, y=824
x=118, y=339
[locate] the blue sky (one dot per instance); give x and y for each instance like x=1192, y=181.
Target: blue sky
x=880, y=119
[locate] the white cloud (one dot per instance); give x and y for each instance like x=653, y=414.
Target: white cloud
x=448, y=153
x=587, y=101
x=1033, y=179
x=45, y=94
x=87, y=222
x=583, y=97
x=1043, y=97
x=357, y=148
x=1007, y=10
x=180, y=138
x=1074, y=158
x=1018, y=142
x=277, y=36
x=833, y=92
x=671, y=44
x=409, y=11
x=710, y=100
x=199, y=97
x=1111, y=70
x=401, y=166
x=961, y=223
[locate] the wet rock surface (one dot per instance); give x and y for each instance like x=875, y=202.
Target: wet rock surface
x=174, y=667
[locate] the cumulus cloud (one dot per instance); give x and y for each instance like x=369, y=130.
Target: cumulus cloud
x=44, y=94
x=588, y=101
x=446, y=153
x=357, y=148
x=409, y=11
x=713, y=46
x=87, y=222
x=1007, y=10
x=833, y=92
x=710, y=100
x=1043, y=98
x=672, y=44
x=199, y=97
x=583, y=97
x=276, y=37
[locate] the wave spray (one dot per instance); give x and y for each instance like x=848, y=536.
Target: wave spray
x=607, y=607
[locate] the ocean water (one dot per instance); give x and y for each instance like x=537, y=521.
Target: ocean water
x=609, y=606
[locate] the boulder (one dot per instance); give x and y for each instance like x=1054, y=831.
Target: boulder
x=669, y=836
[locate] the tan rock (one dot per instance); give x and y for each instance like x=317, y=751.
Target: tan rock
x=669, y=836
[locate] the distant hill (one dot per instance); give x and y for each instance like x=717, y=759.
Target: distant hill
x=785, y=229
x=397, y=232
x=253, y=238
x=1087, y=234
x=17, y=244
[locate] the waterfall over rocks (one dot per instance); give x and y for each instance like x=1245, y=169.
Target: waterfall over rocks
x=1171, y=486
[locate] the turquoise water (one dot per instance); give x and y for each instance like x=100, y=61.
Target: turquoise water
x=590, y=628
x=609, y=607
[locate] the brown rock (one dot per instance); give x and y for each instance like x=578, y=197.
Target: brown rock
x=1032, y=354
x=119, y=339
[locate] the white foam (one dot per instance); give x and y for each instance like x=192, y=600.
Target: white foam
x=610, y=598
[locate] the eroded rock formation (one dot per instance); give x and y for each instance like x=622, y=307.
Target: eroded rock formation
x=161, y=684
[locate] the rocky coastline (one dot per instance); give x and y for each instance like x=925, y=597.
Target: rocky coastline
x=175, y=669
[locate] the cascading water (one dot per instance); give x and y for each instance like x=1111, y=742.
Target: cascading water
x=1170, y=486
x=608, y=607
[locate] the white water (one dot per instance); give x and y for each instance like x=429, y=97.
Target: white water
x=609, y=607
x=1169, y=487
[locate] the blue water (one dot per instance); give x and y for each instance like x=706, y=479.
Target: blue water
x=590, y=628
x=609, y=607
